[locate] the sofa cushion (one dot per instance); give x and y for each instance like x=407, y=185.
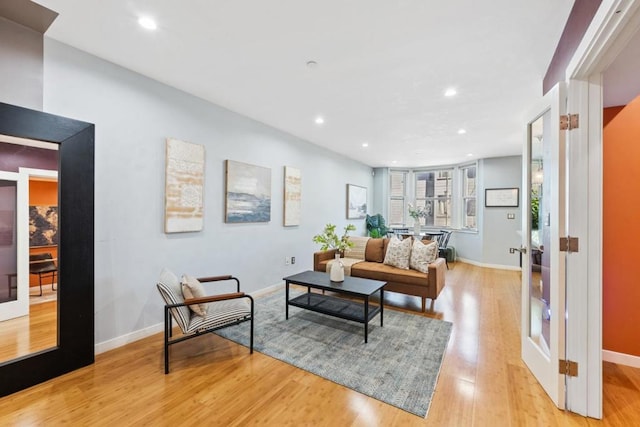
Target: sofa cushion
x=358, y=249
x=387, y=273
x=192, y=288
x=422, y=255
x=398, y=253
x=375, y=250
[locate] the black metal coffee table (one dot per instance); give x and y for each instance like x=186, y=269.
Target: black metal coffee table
x=356, y=311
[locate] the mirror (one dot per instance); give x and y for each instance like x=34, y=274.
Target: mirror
x=74, y=347
x=28, y=232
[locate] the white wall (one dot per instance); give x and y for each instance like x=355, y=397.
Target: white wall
x=133, y=116
x=20, y=65
x=500, y=233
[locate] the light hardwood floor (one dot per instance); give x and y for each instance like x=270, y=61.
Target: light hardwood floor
x=483, y=381
x=29, y=334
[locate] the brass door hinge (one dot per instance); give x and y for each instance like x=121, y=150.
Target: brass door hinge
x=569, y=121
x=569, y=244
x=568, y=367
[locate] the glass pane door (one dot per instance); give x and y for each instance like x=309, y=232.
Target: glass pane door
x=543, y=279
x=539, y=286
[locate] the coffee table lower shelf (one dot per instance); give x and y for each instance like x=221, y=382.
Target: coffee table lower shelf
x=337, y=307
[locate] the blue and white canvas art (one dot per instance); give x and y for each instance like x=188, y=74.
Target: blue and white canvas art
x=248, y=193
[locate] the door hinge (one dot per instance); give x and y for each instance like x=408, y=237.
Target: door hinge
x=568, y=367
x=569, y=244
x=569, y=121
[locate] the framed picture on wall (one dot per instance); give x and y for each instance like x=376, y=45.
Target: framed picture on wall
x=502, y=197
x=356, y=202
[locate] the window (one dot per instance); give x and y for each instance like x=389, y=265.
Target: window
x=469, y=197
x=397, y=188
x=433, y=193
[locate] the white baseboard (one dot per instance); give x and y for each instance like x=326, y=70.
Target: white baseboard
x=496, y=266
x=621, y=358
x=128, y=338
x=159, y=327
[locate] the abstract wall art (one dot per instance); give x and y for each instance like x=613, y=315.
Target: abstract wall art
x=292, y=196
x=356, y=202
x=248, y=193
x=43, y=226
x=184, y=186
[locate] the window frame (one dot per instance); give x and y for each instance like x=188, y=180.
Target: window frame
x=402, y=198
x=457, y=198
x=464, y=197
x=437, y=199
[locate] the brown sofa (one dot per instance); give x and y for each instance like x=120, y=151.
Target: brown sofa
x=410, y=282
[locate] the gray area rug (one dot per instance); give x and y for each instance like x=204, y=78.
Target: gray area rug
x=399, y=365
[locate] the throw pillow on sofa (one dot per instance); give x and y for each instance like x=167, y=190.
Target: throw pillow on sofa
x=398, y=253
x=357, y=250
x=192, y=288
x=422, y=255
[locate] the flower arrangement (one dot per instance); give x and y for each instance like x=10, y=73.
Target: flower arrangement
x=417, y=212
x=330, y=240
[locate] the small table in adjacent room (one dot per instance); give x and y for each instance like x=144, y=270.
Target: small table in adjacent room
x=363, y=289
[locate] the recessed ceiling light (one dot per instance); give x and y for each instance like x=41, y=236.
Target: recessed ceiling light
x=147, y=23
x=470, y=155
x=461, y=131
x=450, y=92
x=319, y=120
x=394, y=161
x=312, y=64
x=365, y=144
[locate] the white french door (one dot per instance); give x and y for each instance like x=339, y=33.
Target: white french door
x=15, y=268
x=543, y=266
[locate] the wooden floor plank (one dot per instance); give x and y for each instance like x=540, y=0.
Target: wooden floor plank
x=483, y=381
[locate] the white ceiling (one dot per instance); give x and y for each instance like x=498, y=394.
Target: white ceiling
x=383, y=66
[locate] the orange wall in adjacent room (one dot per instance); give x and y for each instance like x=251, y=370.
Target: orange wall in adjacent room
x=43, y=193
x=621, y=229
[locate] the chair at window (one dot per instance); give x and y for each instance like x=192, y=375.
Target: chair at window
x=199, y=315
x=443, y=245
x=400, y=232
x=43, y=266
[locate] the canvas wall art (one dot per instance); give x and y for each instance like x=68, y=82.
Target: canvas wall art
x=43, y=226
x=184, y=186
x=356, y=202
x=292, y=196
x=248, y=193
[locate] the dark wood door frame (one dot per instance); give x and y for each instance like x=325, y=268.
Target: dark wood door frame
x=75, y=347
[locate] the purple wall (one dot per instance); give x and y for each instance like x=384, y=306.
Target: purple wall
x=13, y=156
x=579, y=19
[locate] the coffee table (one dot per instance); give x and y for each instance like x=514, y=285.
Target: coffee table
x=356, y=311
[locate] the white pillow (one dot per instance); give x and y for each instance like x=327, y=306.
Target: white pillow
x=192, y=288
x=358, y=249
x=398, y=253
x=422, y=255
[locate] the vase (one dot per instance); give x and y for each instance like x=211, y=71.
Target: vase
x=416, y=227
x=336, y=274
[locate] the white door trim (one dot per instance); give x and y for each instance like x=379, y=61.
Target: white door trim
x=612, y=27
x=19, y=307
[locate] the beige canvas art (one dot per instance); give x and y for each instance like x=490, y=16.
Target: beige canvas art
x=184, y=186
x=292, y=196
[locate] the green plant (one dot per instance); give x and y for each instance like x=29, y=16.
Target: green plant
x=376, y=226
x=535, y=209
x=417, y=212
x=330, y=240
